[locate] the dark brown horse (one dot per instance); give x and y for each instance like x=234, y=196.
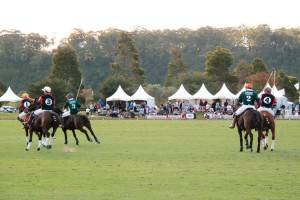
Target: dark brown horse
x=250, y=119
x=77, y=121
x=269, y=124
x=41, y=125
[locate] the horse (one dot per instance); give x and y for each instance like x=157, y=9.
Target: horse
x=74, y=122
x=41, y=125
x=250, y=119
x=269, y=124
x=25, y=119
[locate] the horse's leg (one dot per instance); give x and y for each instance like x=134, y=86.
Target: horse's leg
x=66, y=136
x=241, y=139
x=248, y=131
x=52, y=136
x=40, y=143
x=26, y=134
x=258, y=140
x=92, y=132
x=273, y=138
x=43, y=139
x=30, y=140
x=47, y=135
x=265, y=140
x=74, y=134
x=86, y=134
x=246, y=141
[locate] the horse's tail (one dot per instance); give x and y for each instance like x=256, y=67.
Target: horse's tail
x=55, y=118
x=258, y=119
x=266, y=117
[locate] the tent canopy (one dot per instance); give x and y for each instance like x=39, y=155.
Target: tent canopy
x=10, y=96
x=202, y=93
x=140, y=94
x=119, y=95
x=181, y=94
x=224, y=93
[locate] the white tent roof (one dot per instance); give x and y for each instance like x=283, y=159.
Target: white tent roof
x=9, y=95
x=224, y=93
x=242, y=90
x=181, y=94
x=119, y=95
x=140, y=94
x=202, y=93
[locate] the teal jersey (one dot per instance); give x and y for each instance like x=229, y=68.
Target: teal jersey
x=73, y=106
x=248, y=97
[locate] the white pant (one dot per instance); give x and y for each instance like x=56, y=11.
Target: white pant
x=269, y=110
x=39, y=111
x=243, y=108
x=22, y=114
x=66, y=114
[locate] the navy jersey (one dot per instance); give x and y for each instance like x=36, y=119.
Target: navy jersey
x=267, y=100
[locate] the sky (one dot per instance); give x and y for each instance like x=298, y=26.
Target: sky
x=58, y=18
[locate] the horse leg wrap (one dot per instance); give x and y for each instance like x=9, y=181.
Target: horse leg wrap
x=28, y=145
x=40, y=144
x=50, y=140
x=273, y=144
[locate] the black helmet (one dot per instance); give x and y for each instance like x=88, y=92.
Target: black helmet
x=70, y=95
x=268, y=89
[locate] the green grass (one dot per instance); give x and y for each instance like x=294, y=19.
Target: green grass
x=143, y=159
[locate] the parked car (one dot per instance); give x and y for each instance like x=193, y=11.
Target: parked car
x=7, y=109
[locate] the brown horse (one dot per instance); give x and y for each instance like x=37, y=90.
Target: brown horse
x=269, y=124
x=41, y=125
x=77, y=121
x=25, y=119
x=250, y=119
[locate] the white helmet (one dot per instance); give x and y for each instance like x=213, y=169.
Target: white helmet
x=46, y=89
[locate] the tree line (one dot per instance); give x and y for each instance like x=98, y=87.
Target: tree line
x=160, y=60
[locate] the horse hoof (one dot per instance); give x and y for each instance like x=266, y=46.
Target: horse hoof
x=90, y=140
x=27, y=149
x=98, y=142
x=272, y=149
x=265, y=148
x=66, y=143
x=251, y=150
x=241, y=150
x=48, y=147
x=38, y=149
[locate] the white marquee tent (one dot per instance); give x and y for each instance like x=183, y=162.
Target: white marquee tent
x=224, y=93
x=202, y=93
x=140, y=94
x=181, y=94
x=119, y=95
x=10, y=96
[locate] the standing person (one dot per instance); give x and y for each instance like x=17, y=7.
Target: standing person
x=25, y=103
x=72, y=105
x=268, y=100
x=91, y=107
x=47, y=102
x=248, y=98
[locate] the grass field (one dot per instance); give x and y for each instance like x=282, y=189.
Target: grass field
x=143, y=159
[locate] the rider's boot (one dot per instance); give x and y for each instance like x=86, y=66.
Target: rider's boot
x=233, y=121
